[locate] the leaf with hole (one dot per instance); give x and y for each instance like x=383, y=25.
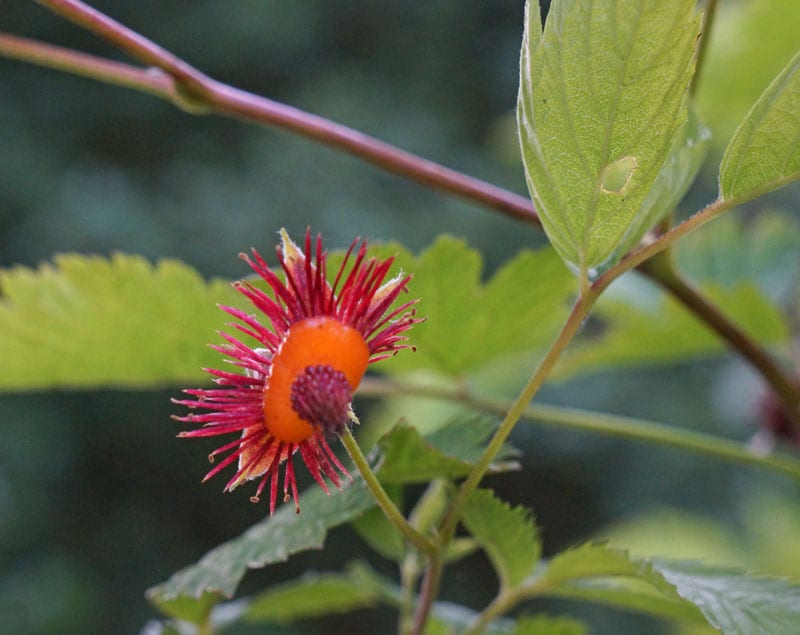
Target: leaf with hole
x=606, y=140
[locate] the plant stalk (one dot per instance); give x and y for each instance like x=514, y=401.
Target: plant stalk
x=421, y=542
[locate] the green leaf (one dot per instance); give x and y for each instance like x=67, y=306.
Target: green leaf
x=651, y=331
x=411, y=458
x=764, y=153
x=507, y=534
x=272, y=540
x=593, y=572
x=469, y=323
x=379, y=533
x=90, y=321
x=546, y=625
x=733, y=601
x=194, y=610
x=602, y=105
x=311, y=596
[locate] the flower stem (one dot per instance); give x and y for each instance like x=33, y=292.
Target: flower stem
x=421, y=542
x=579, y=312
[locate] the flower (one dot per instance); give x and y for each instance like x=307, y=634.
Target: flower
x=295, y=389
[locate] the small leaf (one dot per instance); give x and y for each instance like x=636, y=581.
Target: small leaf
x=311, y=596
x=507, y=534
x=733, y=601
x=764, y=153
x=602, y=101
x=272, y=540
x=89, y=321
x=546, y=625
x=188, y=609
x=411, y=458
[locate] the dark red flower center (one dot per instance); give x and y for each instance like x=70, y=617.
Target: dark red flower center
x=321, y=396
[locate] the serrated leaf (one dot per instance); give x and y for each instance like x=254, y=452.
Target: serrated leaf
x=733, y=601
x=602, y=99
x=664, y=331
x=411, y=458
x=546, y=625
x=470, y=323
x=311, y=596
x=272, y=540
x=507, y=534
x=764, y=153
x=90, y=321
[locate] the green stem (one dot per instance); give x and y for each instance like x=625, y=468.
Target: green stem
x=708, y=19
x=610, y=425
x=423, y=543
x=504, y=602
x=428, y=593
x=579, y=312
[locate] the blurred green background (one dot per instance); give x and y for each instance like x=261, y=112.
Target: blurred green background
x=99, y=500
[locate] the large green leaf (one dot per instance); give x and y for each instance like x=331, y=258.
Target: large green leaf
x=602, y=104
x=469, y=323
x=272, y=540
x=90, y=321
x=507, y=534
x=764, y=153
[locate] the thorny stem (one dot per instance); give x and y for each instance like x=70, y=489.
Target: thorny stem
x=421, y=542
